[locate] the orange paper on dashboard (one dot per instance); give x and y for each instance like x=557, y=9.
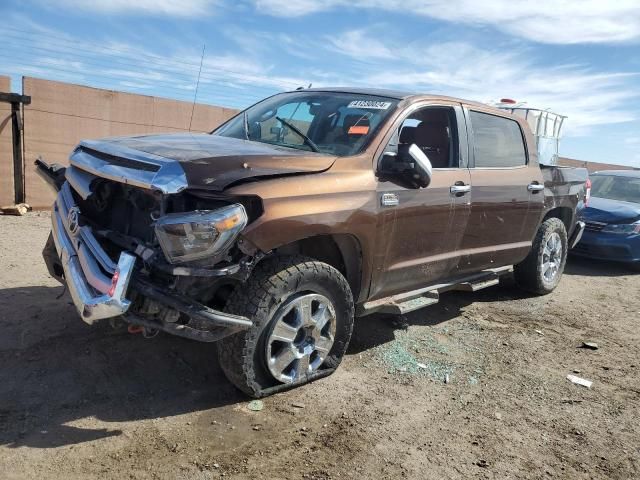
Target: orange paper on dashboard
x=358, y=130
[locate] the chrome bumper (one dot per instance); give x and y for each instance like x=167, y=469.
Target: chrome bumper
x=95, y=294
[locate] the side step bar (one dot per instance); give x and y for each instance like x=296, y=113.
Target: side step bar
x=479, y=285
x=403, y=303
x=400, y=308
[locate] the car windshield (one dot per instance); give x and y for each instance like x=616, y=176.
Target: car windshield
x=335, y=123
x=626, y=189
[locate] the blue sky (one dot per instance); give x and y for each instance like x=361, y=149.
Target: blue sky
x=579, y=58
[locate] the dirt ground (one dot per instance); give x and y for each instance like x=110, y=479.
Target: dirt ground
x=472, y=387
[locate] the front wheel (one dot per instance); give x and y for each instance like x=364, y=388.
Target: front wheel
x=541, y=271
x=302, y=312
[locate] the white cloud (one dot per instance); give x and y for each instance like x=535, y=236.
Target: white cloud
x=362, y=57
x=295, y=8
x=360, y=46
x=229, y=77
x=545, y=21
x=181, y=8
x=271, y=44
x=460, y=69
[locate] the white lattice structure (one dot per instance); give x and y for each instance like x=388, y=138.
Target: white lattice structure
x=545, y=125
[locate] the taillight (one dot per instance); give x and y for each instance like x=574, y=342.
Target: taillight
x=114, y=282
x=587, y=194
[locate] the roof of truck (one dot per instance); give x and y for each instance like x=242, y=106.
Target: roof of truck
x=379, y=92
x=383, y=92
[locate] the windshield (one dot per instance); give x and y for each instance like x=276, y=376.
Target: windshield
x=336, y=123
x=626, y=189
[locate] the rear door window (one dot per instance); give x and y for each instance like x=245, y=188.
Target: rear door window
x=498, y=141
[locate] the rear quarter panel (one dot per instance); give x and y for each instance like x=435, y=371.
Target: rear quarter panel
x=564, y=187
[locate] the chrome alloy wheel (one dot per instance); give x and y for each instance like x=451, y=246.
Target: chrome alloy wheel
x=552, y=257
x=302, y=336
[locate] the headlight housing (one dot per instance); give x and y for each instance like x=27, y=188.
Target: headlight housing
x=185, y=237
x=622, y=228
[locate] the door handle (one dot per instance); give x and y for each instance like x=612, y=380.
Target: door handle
x=535, y=187
x=459, y=190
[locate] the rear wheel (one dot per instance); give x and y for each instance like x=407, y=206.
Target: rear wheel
x=302, y=312
x=541, y=271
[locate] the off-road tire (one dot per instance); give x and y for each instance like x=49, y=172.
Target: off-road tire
x=274, y=280
x=528, y=273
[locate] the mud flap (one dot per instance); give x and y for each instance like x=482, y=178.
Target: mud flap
x=51, y=259
x=577, y=234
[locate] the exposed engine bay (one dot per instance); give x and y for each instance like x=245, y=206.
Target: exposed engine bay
x=188, y=257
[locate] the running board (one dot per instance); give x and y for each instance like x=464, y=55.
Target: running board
x=479, y=285
x=402, y=303
x=400, y=307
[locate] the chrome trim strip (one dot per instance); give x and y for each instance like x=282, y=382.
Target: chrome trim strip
x=170, y=178
x=60, y=239
x=80, y=180
x=92, y=273
x=137, y=178
x=64, y=202
x=61, y=203
x=62, y=209
x=96, y=250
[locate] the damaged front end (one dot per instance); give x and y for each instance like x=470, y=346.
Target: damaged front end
x=130, y=239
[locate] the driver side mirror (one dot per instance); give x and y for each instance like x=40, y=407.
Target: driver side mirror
x=411, y=166
x=279, y=133
x=422, y=166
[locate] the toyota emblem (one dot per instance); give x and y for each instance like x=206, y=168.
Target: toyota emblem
x=73, y=220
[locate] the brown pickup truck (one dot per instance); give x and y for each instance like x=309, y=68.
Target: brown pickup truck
x=309, y=208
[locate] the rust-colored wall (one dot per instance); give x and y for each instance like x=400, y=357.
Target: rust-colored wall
x=62, y=114
x=6, y=147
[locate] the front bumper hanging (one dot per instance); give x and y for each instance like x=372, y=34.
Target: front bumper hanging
x=95, y=295
x=99, y=287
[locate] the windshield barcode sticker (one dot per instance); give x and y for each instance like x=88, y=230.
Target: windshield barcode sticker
x=369, y=104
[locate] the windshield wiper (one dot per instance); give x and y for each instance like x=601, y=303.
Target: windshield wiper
x=306, y=139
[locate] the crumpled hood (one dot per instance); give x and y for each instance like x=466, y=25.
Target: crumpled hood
x=611, y=211
x=214, y=162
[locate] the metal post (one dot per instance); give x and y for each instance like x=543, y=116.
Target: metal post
x=16, y=122
x=18, y=164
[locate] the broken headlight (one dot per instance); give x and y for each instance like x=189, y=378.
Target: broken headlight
x=191, y=236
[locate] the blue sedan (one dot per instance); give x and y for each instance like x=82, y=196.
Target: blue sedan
x=612, y=217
